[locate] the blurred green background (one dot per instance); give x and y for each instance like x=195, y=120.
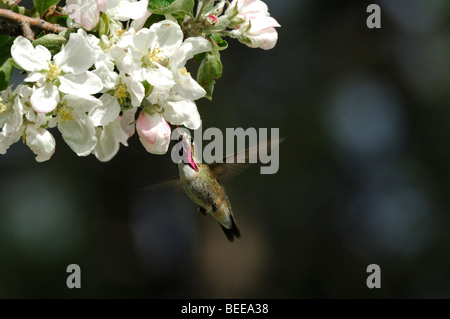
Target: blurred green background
x=364, y=177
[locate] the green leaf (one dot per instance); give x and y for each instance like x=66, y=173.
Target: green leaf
x=154, y=18
x=42, y=5
x=5, y=47
x=219, y=43
x=52, y=42
x=171, y=6
x=209, y=71
x=103, y=27
x=5, y=73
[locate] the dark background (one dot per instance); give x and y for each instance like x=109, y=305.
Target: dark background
x=364, y=177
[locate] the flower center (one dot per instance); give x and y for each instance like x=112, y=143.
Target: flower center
x=3, y=107
x=183, y=71
x=65, y=113
x=156, y=55
x=121, y=93
x=53, y=71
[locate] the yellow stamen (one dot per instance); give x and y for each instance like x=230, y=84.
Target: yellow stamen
x=65, y=113
x=121, y=92
x=155, y=56
x=183, y=71
x=53, y=71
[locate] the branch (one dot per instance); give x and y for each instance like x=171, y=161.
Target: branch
x=26, y=30
x=34, y=22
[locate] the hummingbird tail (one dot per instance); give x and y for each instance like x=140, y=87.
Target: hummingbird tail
x=233, y=231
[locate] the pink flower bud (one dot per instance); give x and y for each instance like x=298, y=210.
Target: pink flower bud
x=262, y=33
x=212, y=19
x=154, y=132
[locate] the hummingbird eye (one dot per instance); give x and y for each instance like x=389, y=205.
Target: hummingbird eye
x=181, y=152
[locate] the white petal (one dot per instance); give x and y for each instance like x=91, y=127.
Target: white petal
x=35, y=77
x=128, y=121
x=168, y=36
x=80, y=84
x=135, y=89
x=45, y=99
x=187, y=50
x=138, y=23
x=82, y=103
x=265, y=40
x=144, y=40
x=77, y=56
x=188, y=88
x=160, y=77
x=109, y=138
x=106, y=112
x=28, y=57
x=132, y=10
x=79, y=134
x=41, y=142
x=182, y=113
x=7, y=140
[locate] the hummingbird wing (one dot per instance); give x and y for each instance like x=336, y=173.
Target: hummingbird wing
x=173, y=182
x=229, y=167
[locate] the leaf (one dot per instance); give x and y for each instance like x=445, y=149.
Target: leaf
x=210, y=69
x=154, y=18
x=171, y=6
x=103, y=28
x=5, y=73
x=52, y=42
x=42, y=5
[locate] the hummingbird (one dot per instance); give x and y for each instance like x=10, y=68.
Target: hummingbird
x=203, y=182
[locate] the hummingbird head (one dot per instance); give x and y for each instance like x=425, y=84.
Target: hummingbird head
x=188, y=149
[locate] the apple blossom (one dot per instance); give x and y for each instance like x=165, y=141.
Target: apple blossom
x=86, y=12
x=154, y=132
x=258, y=28
x=67, y=73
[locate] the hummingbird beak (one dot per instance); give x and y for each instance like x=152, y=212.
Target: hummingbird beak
x=189, y=160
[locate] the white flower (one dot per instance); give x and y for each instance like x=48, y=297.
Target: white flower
x=158, y=55
x=258, y=28
x=75, y=125
x=11, y=112
x=154, y=132
x=67, y=73
x=13, y=108
x=86, y=12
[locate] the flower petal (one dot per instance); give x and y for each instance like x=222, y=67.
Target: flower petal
x=127, y=121
x=41, y=142
x=7, y=140
x=188, y=88
x=28, y=57
x=45, y=99
x=79, y=134
x=82, y=103
x=77, y=56
x=182, y=113
x=80, y=84
x=189, y=48
x=168, y=36
x=109, y=139
x=106, y=112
